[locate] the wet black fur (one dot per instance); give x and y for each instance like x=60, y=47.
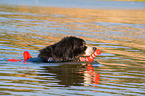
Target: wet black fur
x=68, y=49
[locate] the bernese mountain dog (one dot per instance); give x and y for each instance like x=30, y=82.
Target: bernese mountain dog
x=68, y=49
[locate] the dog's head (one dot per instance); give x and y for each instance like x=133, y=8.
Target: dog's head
x=71, y=48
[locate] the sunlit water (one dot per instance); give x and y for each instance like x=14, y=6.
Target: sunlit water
x=119, y=34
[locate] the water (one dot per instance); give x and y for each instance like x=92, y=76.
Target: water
x=117, y=31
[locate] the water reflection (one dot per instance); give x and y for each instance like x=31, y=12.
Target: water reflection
x=73, y=74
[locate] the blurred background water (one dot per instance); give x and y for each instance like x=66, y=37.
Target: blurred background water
x=117, y=28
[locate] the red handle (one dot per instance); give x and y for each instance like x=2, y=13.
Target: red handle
x=14, y=60
x=26, y=57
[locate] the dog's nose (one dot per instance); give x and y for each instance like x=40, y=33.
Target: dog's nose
x=94, y=48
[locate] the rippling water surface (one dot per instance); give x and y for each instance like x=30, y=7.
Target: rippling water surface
x=118, y=33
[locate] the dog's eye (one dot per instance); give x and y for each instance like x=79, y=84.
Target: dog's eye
x=83, y=46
